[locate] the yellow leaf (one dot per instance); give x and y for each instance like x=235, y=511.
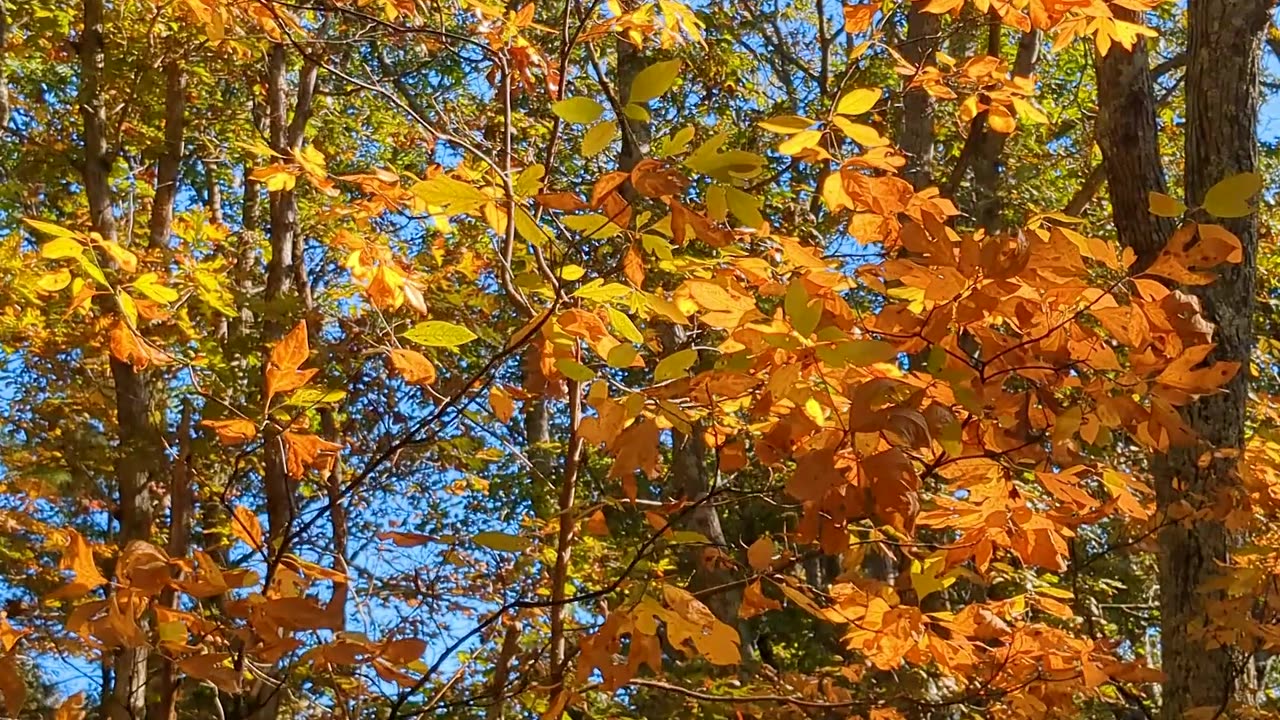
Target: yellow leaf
x=653, y=81
x=47, y=228
x=122, y=256
x=598, y=138
x=1230, y=197
x=128, y=307
x=786, y=124
x=857, y=102
x=149, y=284
x=437, y=333
x=1165, y=206
x=999, y=119
x=61, y=247
x=800, y=142
x=580, y=110
x=54, y=281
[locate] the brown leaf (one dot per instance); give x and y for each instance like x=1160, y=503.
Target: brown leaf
x=607, y=185
x=404, y=651
x=760, y=554
x=566, y=201
x=755, y=602
x=894, y=488
x=814, y=476
x=636, y=449
x=654, y=178
x=12, y=686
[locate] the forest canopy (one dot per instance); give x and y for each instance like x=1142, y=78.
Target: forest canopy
x=582, y=359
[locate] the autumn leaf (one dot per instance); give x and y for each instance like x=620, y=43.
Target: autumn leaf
x=501, y=404
x=438, y=333
x=78, y=558
x=1229, y=198
x=13, y=688
x=233, y=431
x=246, y=526
x=413, y=366
x=292, y=350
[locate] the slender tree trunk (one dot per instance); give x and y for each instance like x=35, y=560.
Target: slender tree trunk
x=987, y=174
x=164, y=706
x=1225, y=44
x=917, y=137
x=139, y=449
x=175, y=104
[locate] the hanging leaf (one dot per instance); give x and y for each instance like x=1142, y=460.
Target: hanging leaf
x=653, y=81
x=438, y=333
x=1230, y=197
x=859, y=101
x=579, y=110
x=1165, y=206
x=502, y=542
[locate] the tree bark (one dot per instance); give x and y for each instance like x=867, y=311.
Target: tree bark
x=139, y=449
x=1126, y=134
x=917, y=105
x=1225, y=44
x=987, y=173
x=166, y=189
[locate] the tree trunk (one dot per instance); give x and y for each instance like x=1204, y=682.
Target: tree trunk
x=1225, y=44
x=917, y=105
x=1126, y=134
x=987, y=174
x=139, y=447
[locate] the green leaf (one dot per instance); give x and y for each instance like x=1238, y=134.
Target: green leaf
x=803, y=313
x=575, y=370
x=580, y=110
x=598, y=138
x=1230, y=197
x=857, y=102
x=438, y=333
x=1165, y=206
x=786, y=124
x=654, y=80
x=502, y=542
x=675, y=365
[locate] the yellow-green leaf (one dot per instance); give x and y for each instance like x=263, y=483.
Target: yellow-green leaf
x=675, y=365
x=653, y=81
x=128, y=307
x=438, y=333
x=149, y=284
x=572, y=272
x=1230, y=197
x=636, y=112
x=803, y=313
x=581, y=110
x=54, y=281
x=786, y=124
x=857, y=102
x=623, y=325
x=598, y=138
x=1165, y=206
x=61, y=247
x=502, y=542
x=49, y=228
x=575, y=370
x=622, y=356
x=745, y=207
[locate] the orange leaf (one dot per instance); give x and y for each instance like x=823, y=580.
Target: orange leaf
x=246, y=526
x=501, y=403
x=78, y=558
x=234, y=431
x=413, y=366
x=292, y=350
x=304, y=451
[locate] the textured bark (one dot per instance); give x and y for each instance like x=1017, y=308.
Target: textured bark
x=165, y=674
x=987, y=164
x=917, y=136
x=1225, y=44
x=139, y=448
x=1126, y=134
x=175, y=105
x=4, y=75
